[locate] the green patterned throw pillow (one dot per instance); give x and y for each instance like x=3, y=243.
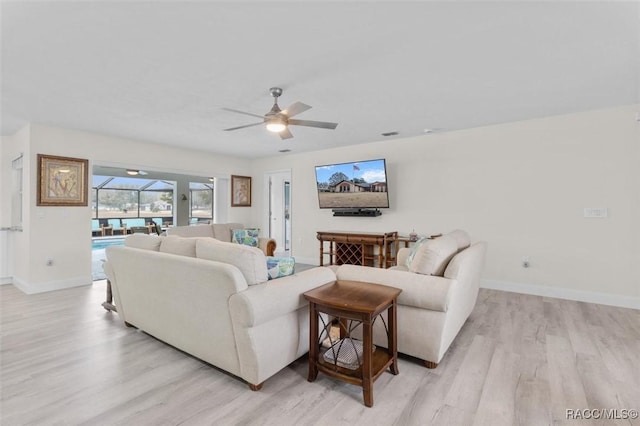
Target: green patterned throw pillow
x=278, y=267
x=247, y=237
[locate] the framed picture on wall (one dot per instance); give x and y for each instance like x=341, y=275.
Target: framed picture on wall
x=240, y=191
x=62, y=181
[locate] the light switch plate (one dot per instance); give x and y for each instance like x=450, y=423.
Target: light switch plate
x=596, y=212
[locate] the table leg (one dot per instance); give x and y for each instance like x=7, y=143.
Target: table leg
x=313, y=342
x=367, y=352
x=392, y=338
x=344, y=327
x=108, y=304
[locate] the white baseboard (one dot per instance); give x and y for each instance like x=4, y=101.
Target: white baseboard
x=564, y=293
x=33, y=288
x=5, y=280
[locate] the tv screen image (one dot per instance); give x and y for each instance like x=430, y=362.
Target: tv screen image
x=359, y=184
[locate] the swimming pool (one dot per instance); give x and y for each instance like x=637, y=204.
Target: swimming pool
x=98, y=255
x=104, y=243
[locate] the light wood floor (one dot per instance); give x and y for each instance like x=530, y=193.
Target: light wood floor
x=518, y=360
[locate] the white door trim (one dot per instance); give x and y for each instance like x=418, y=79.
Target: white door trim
x=266, y=203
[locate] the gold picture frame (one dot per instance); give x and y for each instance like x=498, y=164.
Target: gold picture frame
x=62, y=181
x=240, y=191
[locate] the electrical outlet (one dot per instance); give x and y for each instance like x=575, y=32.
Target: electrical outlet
x=525, y=262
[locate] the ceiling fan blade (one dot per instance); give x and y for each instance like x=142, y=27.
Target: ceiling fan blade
x=242, y=112
x=296, y=108
x=285, y=134
x=308, y=123
x=242, y=127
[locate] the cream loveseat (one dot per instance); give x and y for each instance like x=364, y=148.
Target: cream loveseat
x=431, y=308
x=219, y=231
x=212, y=300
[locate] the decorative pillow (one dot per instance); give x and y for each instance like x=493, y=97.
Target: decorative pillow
x=432, y=257
x=249, y=260
x=143, y=241
x=246, y=237
x=414, y=249
x=278, y=267
x=178, y=245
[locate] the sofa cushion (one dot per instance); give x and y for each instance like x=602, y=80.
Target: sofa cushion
x=191, y=231
x=462, y=239
x=143, y=241
x=248, y=237
x=418, y=291
x=278, y=267
x=222, y=231
x=433, y=256
x=178, y=245
x=250, y=261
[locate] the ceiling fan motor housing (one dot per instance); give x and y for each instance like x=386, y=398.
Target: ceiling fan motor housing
x=275, y=112
x=275, y=92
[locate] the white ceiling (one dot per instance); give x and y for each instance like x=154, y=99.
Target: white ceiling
x=162, y=71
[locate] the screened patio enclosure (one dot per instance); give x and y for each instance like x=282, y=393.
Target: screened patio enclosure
x=117, y=197
x=123, y=197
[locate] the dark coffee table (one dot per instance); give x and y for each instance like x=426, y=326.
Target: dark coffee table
x=361, y=303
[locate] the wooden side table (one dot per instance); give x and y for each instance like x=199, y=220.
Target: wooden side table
x=362, y=303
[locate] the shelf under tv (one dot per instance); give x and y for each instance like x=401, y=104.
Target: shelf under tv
x=357, y=212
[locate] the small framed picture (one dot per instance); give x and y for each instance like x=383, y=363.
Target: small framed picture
x=62, y=181
x=240, y=191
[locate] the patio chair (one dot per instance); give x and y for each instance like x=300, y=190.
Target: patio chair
x=157, y=222
x=96, y=227
x=116, y=225
x=130, y=223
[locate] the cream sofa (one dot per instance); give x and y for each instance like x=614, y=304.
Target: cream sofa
x=212, y=299
x=219, y=231
x=431, y=308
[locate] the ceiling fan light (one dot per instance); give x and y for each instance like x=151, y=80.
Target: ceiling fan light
x=276, y=126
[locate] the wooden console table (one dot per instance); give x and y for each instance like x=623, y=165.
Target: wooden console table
x=358, y=248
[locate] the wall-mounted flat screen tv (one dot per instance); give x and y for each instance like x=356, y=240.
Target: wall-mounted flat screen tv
x=359, y=184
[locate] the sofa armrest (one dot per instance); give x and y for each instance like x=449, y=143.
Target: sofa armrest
x=267, y=245
x=262, y=303
x=420, y=291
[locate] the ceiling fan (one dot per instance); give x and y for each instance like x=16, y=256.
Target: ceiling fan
x=278, y=120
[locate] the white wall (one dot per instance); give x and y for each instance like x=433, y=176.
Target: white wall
x=63, y=233
x=521, y=187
